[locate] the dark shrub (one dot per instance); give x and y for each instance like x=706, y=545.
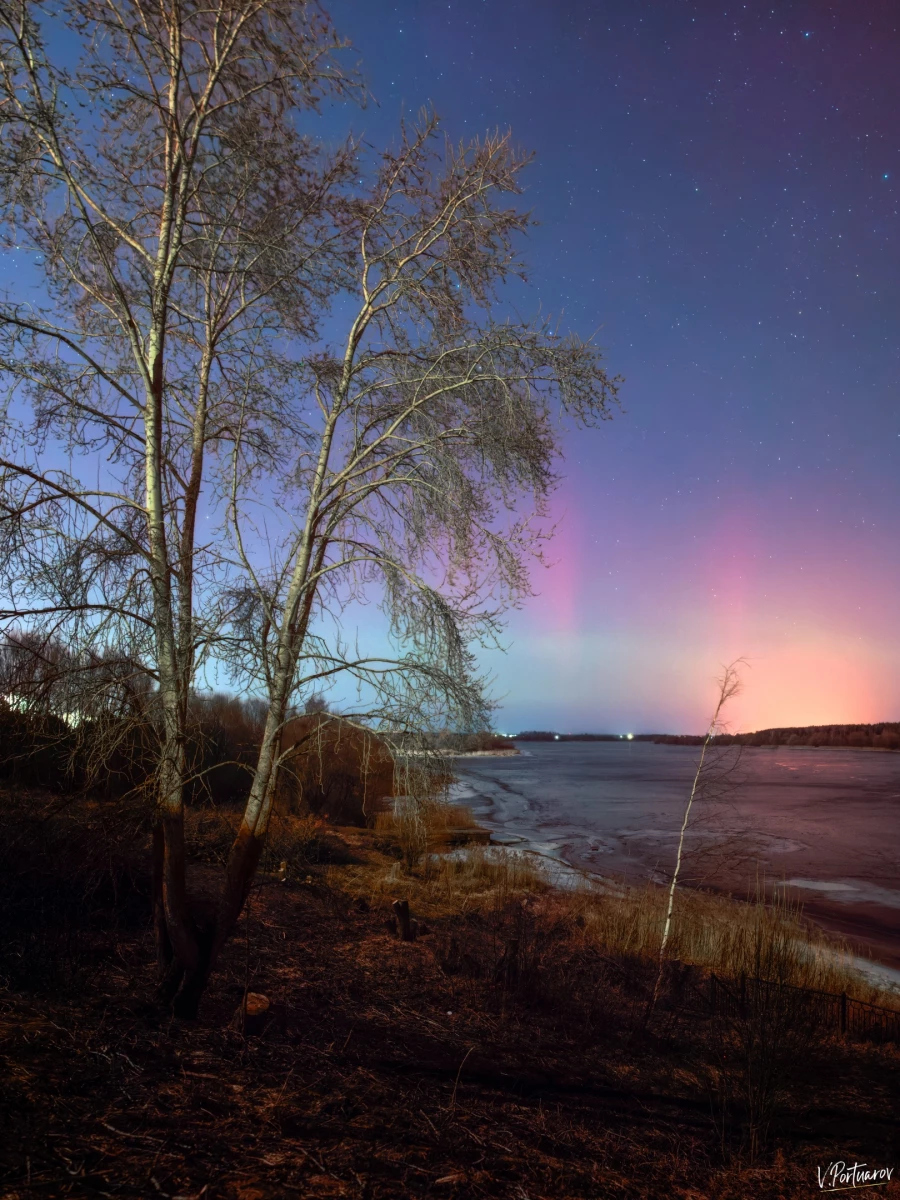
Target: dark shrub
x=335, y=769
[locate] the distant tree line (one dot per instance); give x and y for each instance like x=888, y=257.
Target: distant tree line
x=84, y=723
x=883, y=736
x=98, y=738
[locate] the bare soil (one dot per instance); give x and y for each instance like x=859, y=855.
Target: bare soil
x=390, y=1070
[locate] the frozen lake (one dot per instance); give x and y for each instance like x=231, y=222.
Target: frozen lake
x=823, y=823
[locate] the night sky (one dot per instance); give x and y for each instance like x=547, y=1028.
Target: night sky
x=717, y=191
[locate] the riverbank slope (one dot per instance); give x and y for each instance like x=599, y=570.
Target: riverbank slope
x=505, y=1052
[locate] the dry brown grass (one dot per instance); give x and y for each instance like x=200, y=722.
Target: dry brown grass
x=381, y=1076
x=509, y=1038
x=436, y=878
x=479, y=878
x=760, y=938
x=441, y=822
x=418, y=818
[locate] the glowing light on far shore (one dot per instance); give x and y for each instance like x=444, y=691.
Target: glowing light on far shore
x=630, y=736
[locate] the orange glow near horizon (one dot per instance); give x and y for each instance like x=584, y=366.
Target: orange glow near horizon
x=636, y=638
x=807, y=661
x=811, y=683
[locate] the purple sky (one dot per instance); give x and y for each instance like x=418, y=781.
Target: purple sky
x=717, y=188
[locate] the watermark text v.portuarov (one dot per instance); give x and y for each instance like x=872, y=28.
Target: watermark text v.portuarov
x=842, y=1177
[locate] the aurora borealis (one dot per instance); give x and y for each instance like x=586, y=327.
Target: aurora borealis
x=716, y=187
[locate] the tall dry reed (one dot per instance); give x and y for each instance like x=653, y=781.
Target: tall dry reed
x=761, y=937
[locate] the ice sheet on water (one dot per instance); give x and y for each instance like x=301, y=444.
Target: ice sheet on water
x=856, y=891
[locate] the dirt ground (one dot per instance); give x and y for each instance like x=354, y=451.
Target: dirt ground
x=390, y=1070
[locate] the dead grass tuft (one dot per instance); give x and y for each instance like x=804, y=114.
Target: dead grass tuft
x=759, y=938
x=478, y=878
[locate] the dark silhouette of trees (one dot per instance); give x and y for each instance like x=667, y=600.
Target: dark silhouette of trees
x=883, y=736
x=332, y=768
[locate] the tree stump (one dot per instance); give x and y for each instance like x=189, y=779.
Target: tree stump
x=250, y=1016
x=408, y=928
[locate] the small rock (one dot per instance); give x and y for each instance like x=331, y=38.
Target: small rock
x=250, y=1018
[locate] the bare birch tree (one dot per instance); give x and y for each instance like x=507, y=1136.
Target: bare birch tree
x=189, y=237
x=414, y=444
x=183, y=225
x=729, y=684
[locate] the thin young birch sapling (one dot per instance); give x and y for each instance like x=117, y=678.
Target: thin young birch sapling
x=729, y=685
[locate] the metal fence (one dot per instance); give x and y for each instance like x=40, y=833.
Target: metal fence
x=747, y=997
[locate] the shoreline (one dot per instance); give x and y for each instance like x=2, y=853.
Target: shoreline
x=873, y=956
x=441, y=754
x=562, y=876
x=873, y=946
x=511, y=753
